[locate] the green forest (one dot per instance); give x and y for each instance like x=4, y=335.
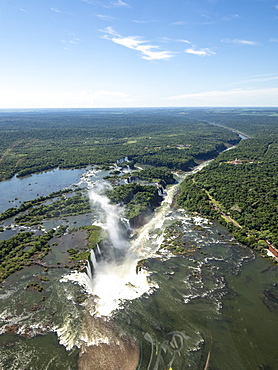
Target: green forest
x=239, y=187
x=36, y=141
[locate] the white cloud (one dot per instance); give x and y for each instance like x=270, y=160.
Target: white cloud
x=276, y=7
x=259, y=78
x=120, y=3
x=186, y=41
x=10, y=99
x=56, y=10
x=99, y=98
x=239, y=42
x=230, y=17
x=74, y=40
x=78, y=99
x=273, y=40
x=143, y=21
x=149, y=52
x=168, y=39
x=201, y=52
x=179, y=23
x=104, y=17
x=110, y=30
x=237, y=97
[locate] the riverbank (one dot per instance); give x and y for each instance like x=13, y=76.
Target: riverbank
x=237, y=190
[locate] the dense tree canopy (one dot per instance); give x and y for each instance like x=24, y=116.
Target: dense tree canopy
x=241, y=183
x=35, y=141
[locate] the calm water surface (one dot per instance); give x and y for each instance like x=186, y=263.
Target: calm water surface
x=17, y=190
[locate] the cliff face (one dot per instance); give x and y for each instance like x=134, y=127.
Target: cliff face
x=141, y=219
x=211, y=154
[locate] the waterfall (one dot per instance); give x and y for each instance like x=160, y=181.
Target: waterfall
x=161, y=191
x=93, y=259
x=110, y=216
x=91, y=265
x=122, y=160
x=98, y=250
x=114, y=278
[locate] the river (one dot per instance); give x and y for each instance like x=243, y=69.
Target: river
x=214, y=308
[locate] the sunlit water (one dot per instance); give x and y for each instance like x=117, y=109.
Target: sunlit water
x=216, y=306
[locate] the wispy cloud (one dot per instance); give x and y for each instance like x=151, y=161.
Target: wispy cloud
x=237, y=97
x=273, y=40
x=204, y=52
x=148, y=51
x=120, y=3
x=99, y=98
x=65, y=99
x=105, y=17
x=239, y=42
x=143, y=21
x=179, y=23
x=168, y=39
x=276, y=7
x=229, y=18
x=259, y=78
x=22, y=10
x=56, y=10
x=72, y=41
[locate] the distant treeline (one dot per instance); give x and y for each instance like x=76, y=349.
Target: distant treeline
x=36, y=141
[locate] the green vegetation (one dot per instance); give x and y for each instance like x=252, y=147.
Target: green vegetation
x=37, y=141
x=60, y=231
x=10, y=212
x=94, y=235
x=241, y=194
x=155, y=174
x=35, y=286
x=22, y=250
x=175, y=241
x=72, y=206
x=138, y=198
x=240, y=189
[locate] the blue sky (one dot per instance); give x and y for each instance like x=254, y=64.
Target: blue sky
x=138, y=53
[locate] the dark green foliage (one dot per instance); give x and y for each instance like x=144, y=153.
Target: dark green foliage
x=19, y=251
x=35, y=286
x=10, y=212
x=60, y=231
x=155, y=174
x=193, y=198
x=137, y=198
x=175, y=241
x=95, y=234
x=74, y=205
x=246, y=189
x=37, y=141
